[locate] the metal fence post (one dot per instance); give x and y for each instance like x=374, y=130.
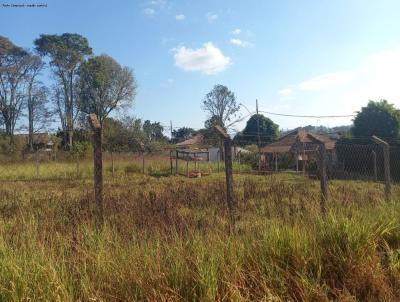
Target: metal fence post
x=230, y=198
x=323, y=178
x=98, y=168
x=386, y=164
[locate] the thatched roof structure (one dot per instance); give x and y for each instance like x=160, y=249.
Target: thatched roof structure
x=38, y=138
x=195, y=141
x=297, y=140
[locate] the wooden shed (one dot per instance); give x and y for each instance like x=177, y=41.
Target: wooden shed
x=301, y=145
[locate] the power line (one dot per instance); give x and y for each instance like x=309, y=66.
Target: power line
x=308, y=116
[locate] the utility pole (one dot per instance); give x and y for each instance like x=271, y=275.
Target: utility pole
x=258, y=136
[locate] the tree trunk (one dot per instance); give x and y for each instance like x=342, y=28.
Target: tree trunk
x=30, y=118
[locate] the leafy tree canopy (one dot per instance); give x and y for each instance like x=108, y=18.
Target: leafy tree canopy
x=377, y=118
x=268, y=131
x=66, y=50
x=105, y=86
x=182, y=134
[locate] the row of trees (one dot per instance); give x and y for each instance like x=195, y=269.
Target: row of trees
x=81, y=83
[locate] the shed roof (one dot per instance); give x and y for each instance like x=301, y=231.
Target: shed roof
x=194, y=141
x=288, y=142
x=38, y=138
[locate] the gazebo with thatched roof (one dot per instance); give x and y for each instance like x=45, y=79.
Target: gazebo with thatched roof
x=301, y=145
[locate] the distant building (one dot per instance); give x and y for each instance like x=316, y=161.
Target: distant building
x=40, y=140
x=299, y=144
x=198, y=142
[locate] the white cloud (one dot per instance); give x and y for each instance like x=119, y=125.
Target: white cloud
x=241, y=43
x=211, y=17
x=345, y=92
x=328, y=80
x=236, y=31
x=286, y=92
x=180, y=17
x=149, y=12
x=208, y=59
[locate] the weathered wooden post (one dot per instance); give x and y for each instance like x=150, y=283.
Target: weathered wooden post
x=386, y=164
x=323, y=178
x=230, y=198
x=98, y=168
x=374, y=165
x=170, y=161
x=176, y=162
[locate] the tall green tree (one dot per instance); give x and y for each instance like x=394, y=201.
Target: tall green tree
x=105, y=86
x=377, y=118
x=268, y=131
x=182, y=134
x=66, y=52
x=15, y=64
x=38, y=113
x=153, y=131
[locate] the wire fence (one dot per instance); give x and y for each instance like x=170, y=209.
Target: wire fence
x=373, y=162
x=346, y=162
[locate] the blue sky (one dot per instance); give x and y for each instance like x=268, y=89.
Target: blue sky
x=296, y=57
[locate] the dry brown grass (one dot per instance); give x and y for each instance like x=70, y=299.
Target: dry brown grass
x=167, y=239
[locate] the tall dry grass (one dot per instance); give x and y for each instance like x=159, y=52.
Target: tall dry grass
x=167, y=239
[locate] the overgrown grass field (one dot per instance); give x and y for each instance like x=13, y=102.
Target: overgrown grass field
x=168, y=239
x=157, y=166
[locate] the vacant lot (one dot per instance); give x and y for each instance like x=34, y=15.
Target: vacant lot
x=168, y=239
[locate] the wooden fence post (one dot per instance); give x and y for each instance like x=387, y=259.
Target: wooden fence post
x=374, y=165
x=386, y=164
x=170, y=160
x=176, y=162
x=98, y=168
x=323, y=178
x=230, y=198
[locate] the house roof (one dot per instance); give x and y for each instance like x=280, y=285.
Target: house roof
x=289, y=141
x=38, y=138
x=194, y=141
